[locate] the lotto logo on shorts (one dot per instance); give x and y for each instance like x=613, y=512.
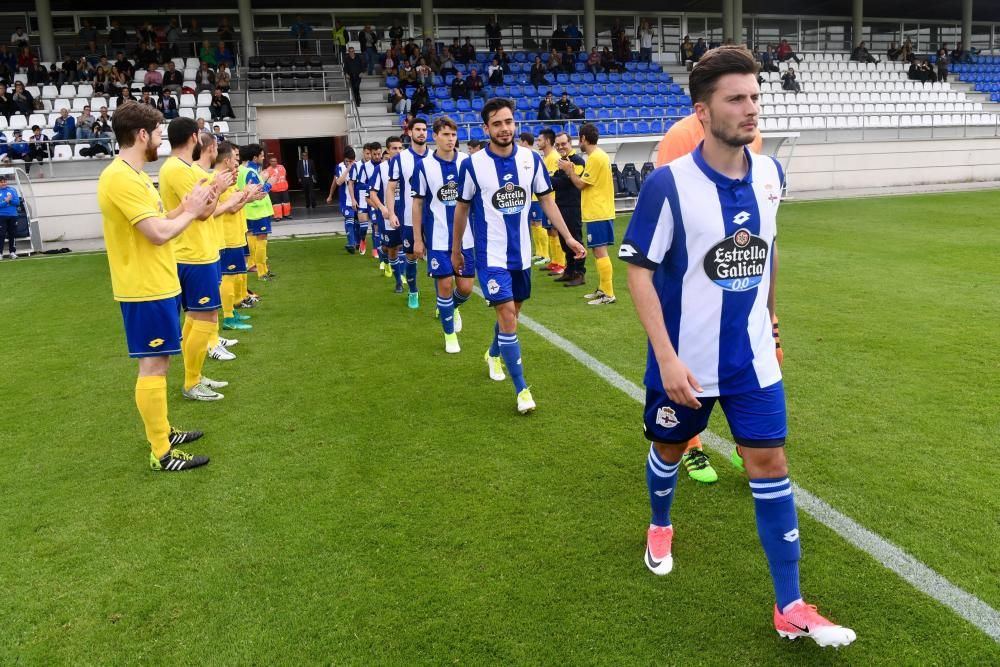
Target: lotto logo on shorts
x=231, y=267
x=493, y=286
x=667, y=417
x=155, y=343
x=203, y=300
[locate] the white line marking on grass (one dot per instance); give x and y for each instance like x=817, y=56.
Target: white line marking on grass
x=911, y=570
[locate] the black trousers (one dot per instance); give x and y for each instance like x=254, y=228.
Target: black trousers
x=8, y=228
x=309, y=189
x=574, y=222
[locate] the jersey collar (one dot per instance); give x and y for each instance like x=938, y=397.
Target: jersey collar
x=722, y=180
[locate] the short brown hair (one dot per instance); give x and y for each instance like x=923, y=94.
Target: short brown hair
x=589, y=132
x=444, y=122
x=130, y=117
x=716, y=63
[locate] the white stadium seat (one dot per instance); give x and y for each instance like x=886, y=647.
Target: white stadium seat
x=204, y=99
x=62, y=152
x=17, y=122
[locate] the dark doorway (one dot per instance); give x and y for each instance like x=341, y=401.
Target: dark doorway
x=325, y=152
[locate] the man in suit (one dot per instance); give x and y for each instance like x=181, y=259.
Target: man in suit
x=306, y=170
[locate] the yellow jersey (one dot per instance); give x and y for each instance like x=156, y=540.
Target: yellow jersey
x=198, y=243
x=216, y=223
x=234, y=225
x=597, y=202
x=551, y=161
x=140, y=270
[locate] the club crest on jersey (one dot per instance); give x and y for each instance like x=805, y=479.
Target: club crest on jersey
x=492, y=286
x=447, y=194
x=667, y=417
x=737, y=263
x=510, y=199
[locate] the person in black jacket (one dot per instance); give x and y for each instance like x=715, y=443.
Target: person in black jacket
x=568, y=201
x=538, y=72
x=460, y=88
x=353, y=67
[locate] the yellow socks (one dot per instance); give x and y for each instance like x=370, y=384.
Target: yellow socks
x=194, y=347
x=606, y=273
x=213, y=339
x=186, y=329
x=261, y=257
x=541, y=238
x=228, y=290
x=558, y=256
x=151, y=399
x=252, y=244
x=241, y=288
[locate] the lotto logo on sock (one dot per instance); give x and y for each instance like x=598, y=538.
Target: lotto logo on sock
x=667, y=417
x=791, y=535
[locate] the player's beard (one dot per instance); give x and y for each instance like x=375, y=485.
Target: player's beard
x=152, y=155
x=417, y=142
x=734, y=138
x=501, y=142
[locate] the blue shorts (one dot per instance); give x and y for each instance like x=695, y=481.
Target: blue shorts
x=218, y=268
x=600, y=233
x=503, y=285
x=348, y=213
x=232, y=261
x=391, y=237
x=199, y=286
x=246, y=250
x=756, y=418
x=261, y=226
x=439, y=264
x=152, y=328
x=536, y=216
x=406, y=234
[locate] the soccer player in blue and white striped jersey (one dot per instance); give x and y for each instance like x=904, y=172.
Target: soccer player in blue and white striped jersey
x=435, y=191
x=401, y=170
x=497, y=184
x=701, y=246
x=380, y=207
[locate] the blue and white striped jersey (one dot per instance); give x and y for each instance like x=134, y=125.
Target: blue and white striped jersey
x=401, y=170
x=709, y=240
x=362, y=176
x=436, y=183
x=343, y=167
x=377, y=183
x=499, y=190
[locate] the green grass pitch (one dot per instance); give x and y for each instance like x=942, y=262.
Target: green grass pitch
x=372, y=500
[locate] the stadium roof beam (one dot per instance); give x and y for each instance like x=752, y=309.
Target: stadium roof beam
x=727, y=20
x=46, y=35
x=738, y=22
x=246, y=30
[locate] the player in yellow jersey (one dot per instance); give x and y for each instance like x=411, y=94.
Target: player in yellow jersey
x=550, y=158
x=597, y=202
x=197, y=254
x=138, y=234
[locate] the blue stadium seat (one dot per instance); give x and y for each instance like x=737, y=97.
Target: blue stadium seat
x=632, y=100
x=440, y=92
x=562, y=78
x=642, y=127
x=659, y=100
x=461, y=67
x=477, y=103
x=520, y=116
x=516, y=91
x=509, y=79
x=656, y=127
x=632, y=113
x=607, y=101
x=447, y=105
x=463, y=133
x=587, y=89
x=410, y=90
x=544, y=55
x=477, y=133
x=602, y=77
x=391, y=81
x=604, y=114
x=501, y=91
x=463, y=105
x=636, y=88
x=632, y=66
x=648, y=112
x=520, y=57
x=577, y=76
x=628, y=127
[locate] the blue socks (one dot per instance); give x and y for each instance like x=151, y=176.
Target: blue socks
x=778, y=528
x=352, y=240
x=495, y=345
x=397, y=270
x=411, y=274
x=510, y=350
x=459, y=297
x=661, y=478
x=446, y=310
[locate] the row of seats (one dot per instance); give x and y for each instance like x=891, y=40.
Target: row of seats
x=854, y=68
x=275, y=64
x=20, y=122
x=919, y=107
x=9, y=133
x=584, y=102
x=821, y=98
x=287, y=80
x=560, y=79
x=67, y=92
x=859, y=87
x=851, y=122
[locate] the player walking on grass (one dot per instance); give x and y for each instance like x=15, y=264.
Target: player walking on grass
x=138, y=234
x=398, y=191
x=391, y=240
x=598, y=208
x=435, y=191
x=700, y=246
x=356, y=181
x=348, y=207
x=367, y=175
x=497, y=184
x=197, y=254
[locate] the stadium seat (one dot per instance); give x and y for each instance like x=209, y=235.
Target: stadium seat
x=18, y=122
x=62, y=152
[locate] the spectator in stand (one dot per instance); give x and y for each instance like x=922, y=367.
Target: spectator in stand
x=201, y=124
x=67, y=71
x=18, y=148
x=569, y=61
x=88, y=35
x=9, y=201
x=622, y=48
x=906, y=52
x=37, y=75
x=558, y=40
x=300, y=29
x=369, y=47
x=340, y=38
x=700, y=47
x=173, y=80
x=594, y=61
x=24, y=103
x=555, y=61
x=84, y=70
x=495, y=72
x=38, y=148
x=353, y=67
x=399, y=101
x=147, y=99
x=25, y=58
x=645, y=38
x=503, y=59
x=117, y=36
x=220, y=108
x=174, y=37
x=768, y=60
x=218, y=133
x=224, y=55
x=567, y=109
x=960, y=55
x=892, y=53
x=408, y=76
x=608, y=62
x=55, y=73
x=223, y=77
x=942, y=63
x=538, y=73
x=574, y=38
x=547, y=109
x=862, y=55
x=124, y=65
x=789, y=82
x=225, y=33
x=493, y=35
x=85, y=125
x=468, y=51
x=390, y=66
x=8, y=60
x=152, y=80
x=206, y=54
x=19, y=38
x=425, y=74
x=429, y=53
x=167, y=105
x=124, y=93
x=7, y=107
x=103, y=132
x=195, y=35
x=447, y=63
x=456, y=49
x=421, y=102
x=785, y=52
x=204, y=78
x=395, y=33
x=64, y=129
x=460, y=88
x=687, y=49
x=921, y=71
x=476, y=84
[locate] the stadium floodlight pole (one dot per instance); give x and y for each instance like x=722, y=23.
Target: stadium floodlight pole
x=47, y=36
x=589, y=24
x=246, y=30
x=857, y=24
